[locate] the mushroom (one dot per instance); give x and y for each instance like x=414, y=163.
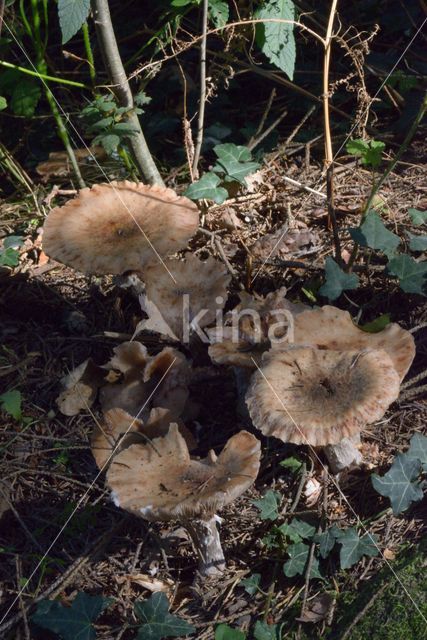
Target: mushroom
x=160, y=481
x=118, y=227
x=310, y=396
x=153, y=381
x=81, y=387
x=331, y=328
x=192, y=299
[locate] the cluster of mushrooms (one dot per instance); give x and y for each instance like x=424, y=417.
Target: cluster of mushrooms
x=319, y=384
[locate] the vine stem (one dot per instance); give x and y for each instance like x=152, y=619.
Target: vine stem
x=89, y=53
x=114, y=65
x=42, y=76
x=201, y=118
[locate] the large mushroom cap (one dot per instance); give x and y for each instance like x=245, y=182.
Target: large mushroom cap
x=331, y=328
x=199, y=286
x=121, y=226
x=309, y=396
x=159, y=481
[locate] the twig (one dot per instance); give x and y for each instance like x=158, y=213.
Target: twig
x=202, y=101
x=21, y=602
x=113, y=62
x=423, y=325
x=412, y=393
x=304, y=187
x=265, y=133
x=414, y=380
x=263, y=117
x=293, y=133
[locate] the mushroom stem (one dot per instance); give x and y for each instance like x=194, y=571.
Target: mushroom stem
x=205, y=537
x=344, y=454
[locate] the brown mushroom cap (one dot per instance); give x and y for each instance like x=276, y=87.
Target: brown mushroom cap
x=309, y=396
x=331, y=328
x=81, y=387
x=159, y=481
x=204, y=281
x=121, y=226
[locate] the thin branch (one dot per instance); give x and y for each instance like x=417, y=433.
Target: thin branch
x=113, y=63
x=202, y=101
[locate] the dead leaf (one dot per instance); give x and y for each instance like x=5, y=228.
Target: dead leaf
x=389, y=554
x=147, y=582
x=318, y=608
x=283, y=243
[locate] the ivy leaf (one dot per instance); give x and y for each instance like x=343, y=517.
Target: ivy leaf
x=72, y=15
x=268, y=505
x=3, y=103
x=11, y=403
x=400, y=483
x=297, y=530
x=235, y=160
x=25, y=97
x=418, y=217
x=291, y=463
x=13, y=242
x=337, y=280
x=224, y=632
x=374, y=234
x=326, y=540
x=207, y=187
x=417, y=243
x=218, y=12
x=9, y=257
x=251, y=584
x=369, y=151
x=157, y=622
x=298, y=557
x=265, y=631
x=418, y=449
x=71, y=623
x=276, y=39
x=412, y=274
x=353, y=547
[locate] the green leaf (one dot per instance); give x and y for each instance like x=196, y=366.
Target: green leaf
x=207, y=187
x=13, y=242
x=9, y=257
x=276, y=39
x=224, y=632
x=418, y=217
x=268, y=505
x=418, y=449
x=401, y=483
x=353, y=547
x=412, y=274
x=141, y=98
x=71, y=623
x=326, y=540
x=72, y=15
x=374, y=234
x=25, y=97
x=11, y=403
x=297, y=530
x=298, y=557
x=264, y=631
x=369, y=151
x=251, y=583
x=337, y=280
x=109, y=141
x=291, y=463
x=235, y=160
x=3, y=103
x=157, y=622
x=417, y=243
x=377, y=325
x=218, y=12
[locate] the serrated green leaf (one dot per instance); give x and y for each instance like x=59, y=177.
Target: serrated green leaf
x=157, y=622
x=141, y=99
x=291, y=463
x=251, y=584
x=353, y=547
x=224, y=632
x=412, y=274
x=298, y=557
x=218, y=12
x=72, y=15
x=401, y=483
x=268, y=505
x=297, y=530
x=109, y=141
x=207, y=187
x=11, y=403
x=418, y=449
x=337, y=280
x=418, y=217
x=71, y=623
x=235, y=161
x=374, y=234
x=357, y=147
x=376, y=325
x=417, y=243
x=264, y=631
x=369, y=151
x=276, y=39
x=3, y=103
x=25, y=97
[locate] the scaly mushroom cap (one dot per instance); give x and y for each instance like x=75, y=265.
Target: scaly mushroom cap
x=109, y=435
x=117, y=227
x=159, y=481
x=204, y=281
x=331, y=328
x=308, y=396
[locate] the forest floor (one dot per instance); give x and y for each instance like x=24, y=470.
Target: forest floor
x=53, y=318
